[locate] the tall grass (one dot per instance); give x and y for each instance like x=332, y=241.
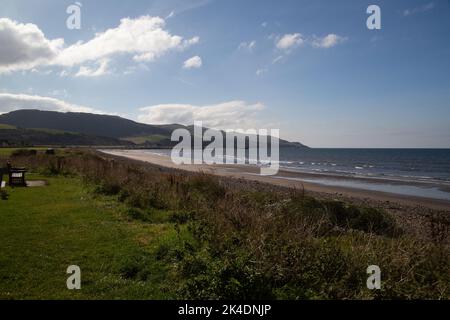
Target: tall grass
x=249, y=242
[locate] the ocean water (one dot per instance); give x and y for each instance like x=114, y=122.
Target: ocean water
x=420, y=165
x=415, y=172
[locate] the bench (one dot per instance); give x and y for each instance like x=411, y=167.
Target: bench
x=17, y=177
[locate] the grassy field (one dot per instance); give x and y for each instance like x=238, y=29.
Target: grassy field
x=146, y=139
x=9, y=151
x=6, y=127
x=141, y=232
x=43, y=230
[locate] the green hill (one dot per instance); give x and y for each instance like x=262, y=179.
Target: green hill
x=41, y=137
x=35, y=127
x=85, y=123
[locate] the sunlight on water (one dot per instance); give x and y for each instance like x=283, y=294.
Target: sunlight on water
x=407, y=190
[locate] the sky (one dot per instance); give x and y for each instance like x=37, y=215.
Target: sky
x=310, y=68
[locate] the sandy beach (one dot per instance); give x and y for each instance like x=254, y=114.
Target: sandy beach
x=286, y=178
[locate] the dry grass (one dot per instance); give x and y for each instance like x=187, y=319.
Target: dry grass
x=252, y=243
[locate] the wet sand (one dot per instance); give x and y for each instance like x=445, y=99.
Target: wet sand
x=292, y=179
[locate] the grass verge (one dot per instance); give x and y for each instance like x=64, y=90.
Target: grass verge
x=204, y=237
x=43, y=230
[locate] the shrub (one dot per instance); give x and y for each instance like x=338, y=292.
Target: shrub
x=180, y=217
x=3, y=195
x=135, y=266
x=361, y=218
x=228, y=278
x=238, y=240
x=137, y=214
x=108, y=189
x=24, y=153
x=162, y=251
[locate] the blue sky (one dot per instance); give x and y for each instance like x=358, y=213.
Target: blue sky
x=310, y=68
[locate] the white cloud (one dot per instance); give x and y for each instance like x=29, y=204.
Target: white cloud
x=227, y=115
x=247, y=46
x=193, y=63
x=191, y=42
x=89, y=72
x=289, y=41
x=64, y=73
x=328, y=41
x=59, y=93
x=261, y=71
x=144, y=37
x=10, y=102
x=423, y=8
x=24, y=46
x=277, y=59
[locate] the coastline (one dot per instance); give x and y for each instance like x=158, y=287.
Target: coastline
x=294, y=179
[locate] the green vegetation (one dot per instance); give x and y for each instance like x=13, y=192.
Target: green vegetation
x=20, y=137
x=53, y=131
x=44, y=230
x=6, y=126
x=5, y=152
x=86, y=129
x=147, y=139
x=146, y=232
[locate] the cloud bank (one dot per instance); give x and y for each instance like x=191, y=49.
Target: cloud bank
x=24, y=46
x=227, y=115
x=11, y=102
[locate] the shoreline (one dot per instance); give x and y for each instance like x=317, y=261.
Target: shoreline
x=295, y=179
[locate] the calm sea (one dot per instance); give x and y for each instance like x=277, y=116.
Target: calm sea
x=402, y=164
x=415, y=172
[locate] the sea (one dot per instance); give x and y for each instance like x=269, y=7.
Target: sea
x=414, y=172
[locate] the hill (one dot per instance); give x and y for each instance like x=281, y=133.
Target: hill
x=48, y=137
x=66, y=128
x=85, y=123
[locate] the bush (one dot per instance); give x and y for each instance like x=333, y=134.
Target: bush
x=248, y=241
x=50, y=151
x=227, y=278
x=361, y=218
x=180, y=217
x=137, y=214
x=3, y=195
x=108, y=189
x=135, y=266
x=24, y=153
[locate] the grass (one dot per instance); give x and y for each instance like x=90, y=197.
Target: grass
x=6, y=127
x=53, y=131
x=44, y=230
x=140, y=231
x=146, y=139
x=6, y=152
